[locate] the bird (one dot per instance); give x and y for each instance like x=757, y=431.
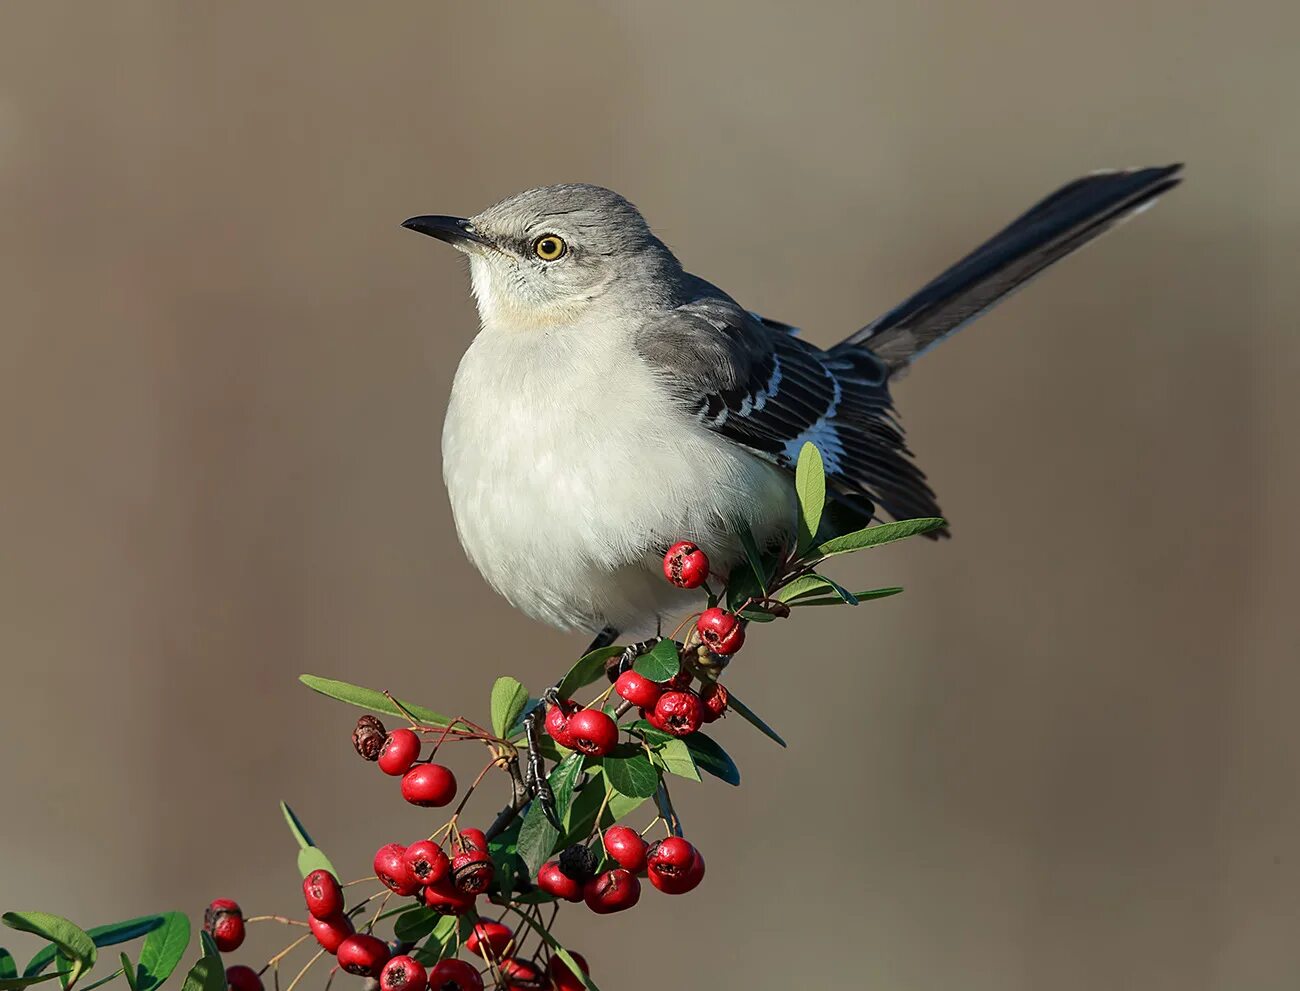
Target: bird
x=613, y=403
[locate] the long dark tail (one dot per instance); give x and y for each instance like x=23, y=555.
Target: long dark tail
x=1065, y=221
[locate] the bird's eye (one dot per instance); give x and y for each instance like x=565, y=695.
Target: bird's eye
x=549, y=247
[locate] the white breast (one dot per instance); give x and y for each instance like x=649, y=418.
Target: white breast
x=570, y=471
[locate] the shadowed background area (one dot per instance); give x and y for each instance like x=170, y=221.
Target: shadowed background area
x=1066, y=758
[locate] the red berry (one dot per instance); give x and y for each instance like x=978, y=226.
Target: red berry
x=446, y=899
x=592, y=732
x=224, y=922
x=241, y=978
x=403, y=974
x=393, y=871
x=678, y=682
x=401, y=749
x=429, y=786
x=612, y=891
x=564, y=979
x=638, y=690
x=473, y=839
x=324, y=896
x=363, y=954
x=523, y=975
x=330, y=933
x=678, y=713
x=685, y=565
x=491, y=938
x=557, y=722
x=626, y=848
x=715, y=699
x=721, y=631
x=426, y=862
x=454, y=975
x=555, y=882
x=674, y=866
x=472, y=871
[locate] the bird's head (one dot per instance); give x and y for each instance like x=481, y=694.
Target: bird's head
x=558, y=255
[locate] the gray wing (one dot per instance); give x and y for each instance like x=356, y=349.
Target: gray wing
x=758, y=385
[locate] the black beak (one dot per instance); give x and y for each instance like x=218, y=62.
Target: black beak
x=453, y=230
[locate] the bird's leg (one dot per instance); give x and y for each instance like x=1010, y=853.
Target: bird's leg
x=535, y=768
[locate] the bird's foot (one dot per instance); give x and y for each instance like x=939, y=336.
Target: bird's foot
x=535, y=766
x=623, y=661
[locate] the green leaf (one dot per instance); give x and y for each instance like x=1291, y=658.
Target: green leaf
x=874, y=536
x=207, y=974
x=675, y=758
x=537, y=838
x=107, y=935
x=367, y=698
x=70, y=938
x=810, y=486
x=508, y=700
x=742, y=584
x=441, y=942
x=633, y=776
x=871, y=593
x=8, y=968
x=589, y=668
x=564, y=955
x=296, y=827
x=753, y=555
x=802, y=586
x=756, y=615
x=415, y=923
x=748, y=714
x=650, y=734
x=563, y=780
x=312, y=858
x=18, y=983
x=712, y=758
x=162, y=951
x=130, y=973
x=661, y=663
x=582, y=815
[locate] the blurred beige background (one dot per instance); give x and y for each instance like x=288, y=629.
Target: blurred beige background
x=1066, y=758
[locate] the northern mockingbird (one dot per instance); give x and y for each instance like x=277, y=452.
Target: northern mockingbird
x=613, y=403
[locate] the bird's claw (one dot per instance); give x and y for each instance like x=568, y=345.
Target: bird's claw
x=624, y=660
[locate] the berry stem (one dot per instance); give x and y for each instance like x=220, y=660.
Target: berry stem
x=275, y=918
x=305, y=967
x=275, y=960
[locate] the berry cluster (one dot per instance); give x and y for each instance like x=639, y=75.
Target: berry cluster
x=563, y=836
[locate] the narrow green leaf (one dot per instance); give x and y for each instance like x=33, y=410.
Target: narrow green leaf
x=537, y=838
x=633, y=776
x=296, y=827
x=810, y=486
x=709, y=756
x=367, y=698
x=8, y=968
x=874, y=536
x=675, y=758
x=756, y=615
x=18, y=983
x=802, y=586
x=590, y=667
x=415, y=923
x=162, y=951
x=871, y=593
x=562, y=782
x=508, y=700
x=661, y=663
x=650, y=734
x=753, y=555
x=74, y=941
x=312, y=858
x=751, y=717
x=567, y=957
x=130, y=973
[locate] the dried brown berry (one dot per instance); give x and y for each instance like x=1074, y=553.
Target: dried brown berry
x=368, y=737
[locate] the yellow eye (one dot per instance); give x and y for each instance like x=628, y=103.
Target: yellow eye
x=549, y=247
